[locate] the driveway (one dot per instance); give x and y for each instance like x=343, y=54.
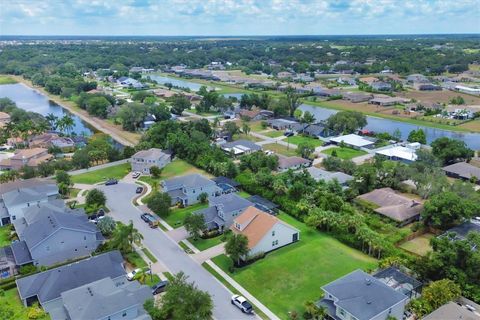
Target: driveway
x=168, y=252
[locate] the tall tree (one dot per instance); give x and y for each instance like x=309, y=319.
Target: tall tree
x=293, y=100
x=194, y=224
x=237, y=247
x=124, y=237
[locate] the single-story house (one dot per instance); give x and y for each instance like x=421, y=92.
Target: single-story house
x=26, y=157
x=264, y=204
x=381, y=86
x=359, y=295
x=463, y=112
x=317, y=130
x=292, y=163
x=281, y=124
x=464, y=171
x=394, y=205
x=143, y=160
x=327, y=176
x=387, y=101
x=263, y=231
x=413, y=78
x=356, y=97
x=407, y=153
x=368, y=80
x=240, y=147
x=427, y=87
x=461, y=231
x=353, y=141
x=222, y=210
x=462, y=309
x=469, y=90
x=186, y=189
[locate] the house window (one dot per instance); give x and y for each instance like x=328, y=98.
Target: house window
x=124, y=314
x=84, y=237
x=273, y=233
x=273, y=243
x=237, y=225
x=276, y=242
x=341, y=312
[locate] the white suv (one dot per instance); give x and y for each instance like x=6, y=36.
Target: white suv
x=242, y=303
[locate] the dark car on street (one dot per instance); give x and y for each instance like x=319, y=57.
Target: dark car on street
x=139, y=190
x=146, y=217
x=159, y=287
x=111, y=182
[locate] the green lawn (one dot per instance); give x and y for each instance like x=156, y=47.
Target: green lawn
x=116, y=172
x=249, y=137
x=419, y=245
x=135, y=260
x=345, y=152
x=4, y=236
x=11, y=301
x=281, y=149
x=6, y=80
x=203, y=244
x=272, y=133
x=149, y=255
x=150, y=280
x=176, y=217
x=243, y=194
x=299, y=139
x=286, y=278
x=173, y=169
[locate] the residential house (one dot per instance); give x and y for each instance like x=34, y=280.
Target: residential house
x=407, y=153
x=461, y=231
x=284, y=75
x=357, y=97
x=143, y=160
x=394, y=205
x=353, y=140
x=368, y=80
x=26, y=157
x=17, y=196
x=427, y=86
x=252, y=115
x=462, y=309
x=417, y=78
x=327, y=176
x=462, y=112
x=464, y=171
x=4, y=118
x=42, y=140
x=346, y=81
x=222, y=210
x=49, y=233
x=281, y=124
x=130, y=83
x=358, y=295
x=65, y=144
x=318, y=130
x=469, y=90
x=185, y=190
x=387, y=101
x=263, y=231
x=104, y=299
x=240, y=147
x=292, y=163
x=381, y=86
x=264, y=204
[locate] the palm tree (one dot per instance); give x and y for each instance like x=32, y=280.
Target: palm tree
x=245, y=128
x=67, y=123
x=52, y=120
x=125, y=236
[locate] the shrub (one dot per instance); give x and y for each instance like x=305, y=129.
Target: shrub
x=27, y=269
x=35, y=312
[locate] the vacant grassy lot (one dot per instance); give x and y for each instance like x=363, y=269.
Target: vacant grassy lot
x=6, y=80
x=286, y=278
x=300, y=139
x=281, y=149
x=175, y=168
x=203, y=244
x=420, y=245
x=345, y=153
x=272, y=133
x=4, y=236
x=176, y=217
x=248, y=137
x=92, y=177
x=473, y=125
x=11, y=301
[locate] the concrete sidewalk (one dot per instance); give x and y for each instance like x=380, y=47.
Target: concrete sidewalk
x=209, y=253
x=242, y=290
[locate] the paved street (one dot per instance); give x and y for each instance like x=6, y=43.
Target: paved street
x=171, y=255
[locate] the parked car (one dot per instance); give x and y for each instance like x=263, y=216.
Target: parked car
x=111, y=182
x=159, y=287
x=242, y=303
x=146, y=217
x=269, y=152
x=139, y=190
x=150, y=219
x=136, y=174
x=132, y=274
x=288, y=133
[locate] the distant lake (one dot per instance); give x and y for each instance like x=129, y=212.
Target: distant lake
x=177, y=82
x=32, y=100
x=386, y=125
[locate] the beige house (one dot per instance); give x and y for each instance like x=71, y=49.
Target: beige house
x=26, y=157
x=264, y=232
x=4, y=119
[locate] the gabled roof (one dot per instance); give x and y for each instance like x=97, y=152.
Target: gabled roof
x=37, y=192
x=288, y=162
x=242, y=144
x=320, y=174
x=353, y=139
x=50, y=284
x=191, y=180
x=362, y=295
x=152, y=154
x=453, y=311
x=103, y=298
x=230, y=202
x=463, y=170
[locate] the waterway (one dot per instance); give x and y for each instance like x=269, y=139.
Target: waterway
x=177, y=82
x=32, y=100
x=386, y=125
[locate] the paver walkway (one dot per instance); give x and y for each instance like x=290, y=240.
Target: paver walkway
x=178, y=234
x=210, y=253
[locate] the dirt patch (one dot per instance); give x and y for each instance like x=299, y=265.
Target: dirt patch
x=472, y=125
x=439, y=96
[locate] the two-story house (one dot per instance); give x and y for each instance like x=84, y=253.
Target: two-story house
x=222, y=210
x=361, y=296
x=143, y=160
x=263, y=231
x=50, y=235
x=186, y=190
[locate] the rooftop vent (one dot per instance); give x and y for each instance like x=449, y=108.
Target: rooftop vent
x=368, y=281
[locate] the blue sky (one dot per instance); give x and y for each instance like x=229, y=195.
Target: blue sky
x=237, y=17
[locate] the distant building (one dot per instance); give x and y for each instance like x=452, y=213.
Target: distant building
x=4, y=118
x=357, y=97
x=186, y=190
x=353, y=140
x=327, y=176
x=387, y=101
x=130, y=83
x=463, y=309
x=417, y=78
x=381, y=86
x=26, y=157
x=263, y=231
x=407, y=153
x=464, y=171
x=292, y=163
x=240, y=147
x=143, y=160
x=427, y=87
x=461, y=231
x=469, y=90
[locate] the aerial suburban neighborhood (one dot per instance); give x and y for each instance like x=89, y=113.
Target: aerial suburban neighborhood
x=268, y=168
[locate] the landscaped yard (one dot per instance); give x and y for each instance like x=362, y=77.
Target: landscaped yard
x=281, y=149
x=299, y=139
x=419, y=245
x=173, y=169
x=243, y=194
x=95, y=176
x=176, y=217
x=286, y=278
x=203, y=244
x=345, y=152
x=272, y=133
x=11, y=301
x=4, y=236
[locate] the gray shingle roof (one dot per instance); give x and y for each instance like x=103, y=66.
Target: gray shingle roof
x=102, y=298
x=320, y=174
x=453, y=311
x=230, y=202
x=463, y=170
x=50, y=284
x=191, y=180
x=245, y=143
x=31, y=194
x=21, y=253
x=464, y=229
x=151, y=154
x=362, y=295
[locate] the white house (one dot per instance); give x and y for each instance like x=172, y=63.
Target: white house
x=263, y=231
x=143, y=160
x=407, y=153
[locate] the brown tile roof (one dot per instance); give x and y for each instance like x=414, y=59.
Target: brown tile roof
x=28, y=153
x=4, y=116
x=287, y=162
x=259, y=224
